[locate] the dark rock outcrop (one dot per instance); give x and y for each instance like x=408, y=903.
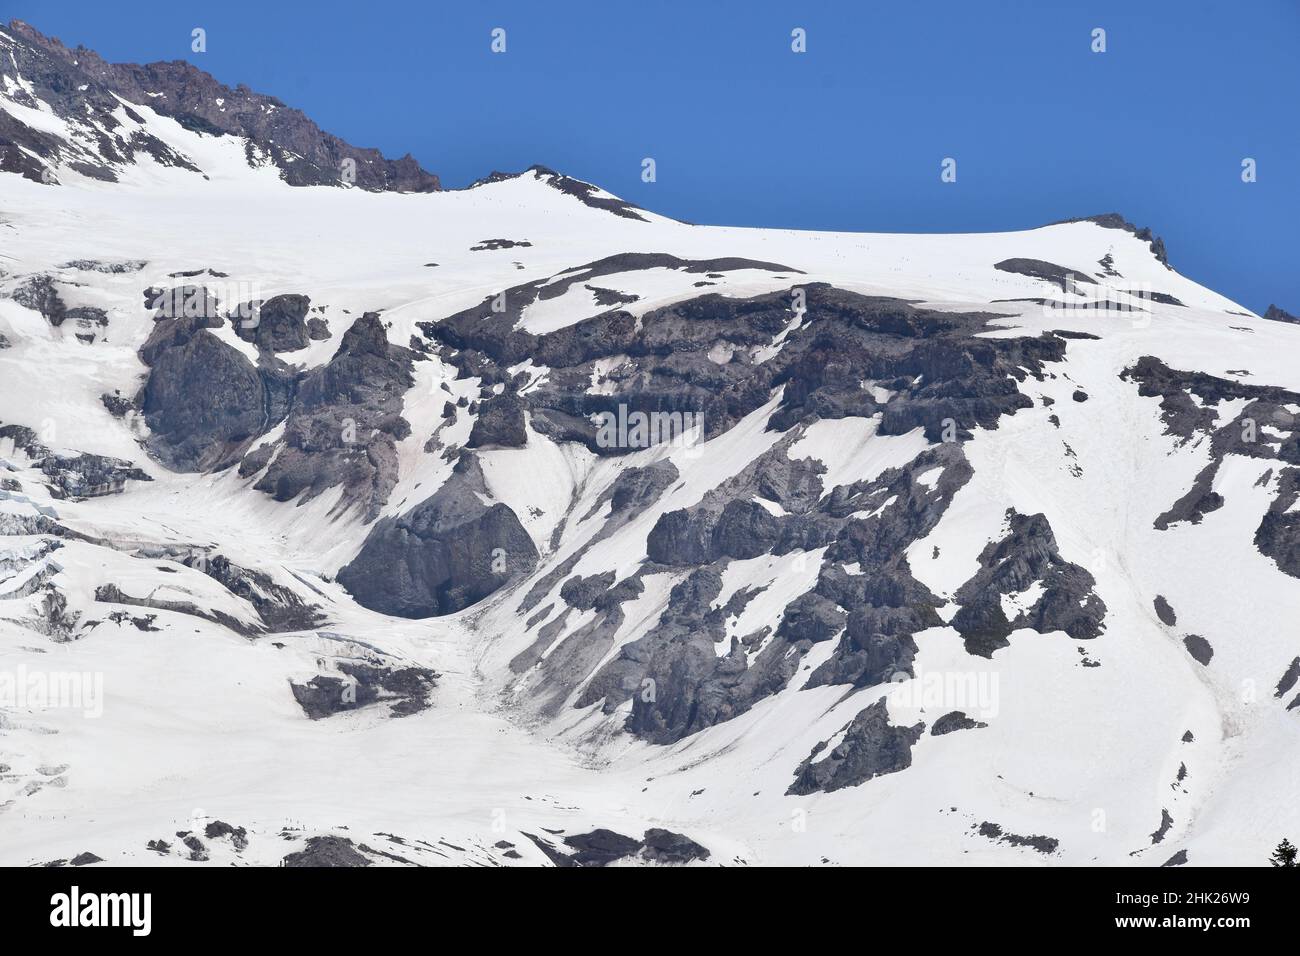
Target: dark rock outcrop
x=871, y=746
x=1026, y=556
x=203, y=401
x=602, y=846
x=1059, y=276
x=954, y=721
x=405, y=689
x=1199, y=648
x=1043, y=844
x=79, y=85
x=88, y=476
x=345, y=423
x=327, y=851
x=1113, y=220
x=585, y=193
x=277, y=325
x=447, y=553
x=1275, y=314
x=40, y=294
x=1165, y=612
x=665, y=846
x=500, y=424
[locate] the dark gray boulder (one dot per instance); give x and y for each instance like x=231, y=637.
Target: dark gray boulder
x=871, y=746
x=1199, y=648
x=88, y=476
x=405, y=689
x=1027, y=555
x=1059, y=276
x=277, y=325
x=600, y=847
x=41, y=295
x=326, y=851
x=665, y=846
x=447, y=553
x=345, y=423
x=583, y=593
x=1165, y=612
x=500, y=424
x=203, y=401
x=954, y=721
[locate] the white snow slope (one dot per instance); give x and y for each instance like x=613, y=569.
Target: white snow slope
x=197, y=723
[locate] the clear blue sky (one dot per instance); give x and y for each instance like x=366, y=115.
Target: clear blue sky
x=849, y=135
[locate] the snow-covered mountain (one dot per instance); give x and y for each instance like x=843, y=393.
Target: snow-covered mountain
x=347, y=520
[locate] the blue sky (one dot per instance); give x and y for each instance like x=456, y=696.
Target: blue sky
x=849, y=135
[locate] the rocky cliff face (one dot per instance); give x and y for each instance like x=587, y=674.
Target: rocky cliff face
x=447, y=553
x=84, y=88
x=677, y=543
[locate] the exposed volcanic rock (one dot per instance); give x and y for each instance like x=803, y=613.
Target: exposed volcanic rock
x=1264, y=428
x=327, y=851
x=345, y=423
x=1165, y=612
x=279, y=607
x=1043, y=844
x=89, y=476
x=1059, y=276
x=405, y=689
x=108, y=268
x=78, y=98
x=500, y=424
x=75, y=476
x=40, y=294
x=494, y=245
x=878, y=610
x=1193, y=506
x=583, y=593
x=602, y=847
x=665, y=846
x=1113, y=220
x=80, y=84
x=278, y=325
x=1199, y=648
x=944, y=379
x=1024, y=560
x=443, y=555
x=112, y=594
x=871, y=746
x=728, y=523
x=1289, y=679
x=954, y=721
x=1278, y=535
x=585, y=193
x=218, y=829
x=1275, y=314
x=931, y=370
x=203, y=401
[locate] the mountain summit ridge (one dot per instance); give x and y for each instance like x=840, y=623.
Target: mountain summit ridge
x=305, y=154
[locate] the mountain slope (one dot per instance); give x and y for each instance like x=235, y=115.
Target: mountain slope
x=464, y=527
x=70, y=110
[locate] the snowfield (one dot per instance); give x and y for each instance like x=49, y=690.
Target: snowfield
x=1077, y=750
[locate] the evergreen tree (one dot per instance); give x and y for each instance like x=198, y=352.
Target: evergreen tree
x=1285, y=854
